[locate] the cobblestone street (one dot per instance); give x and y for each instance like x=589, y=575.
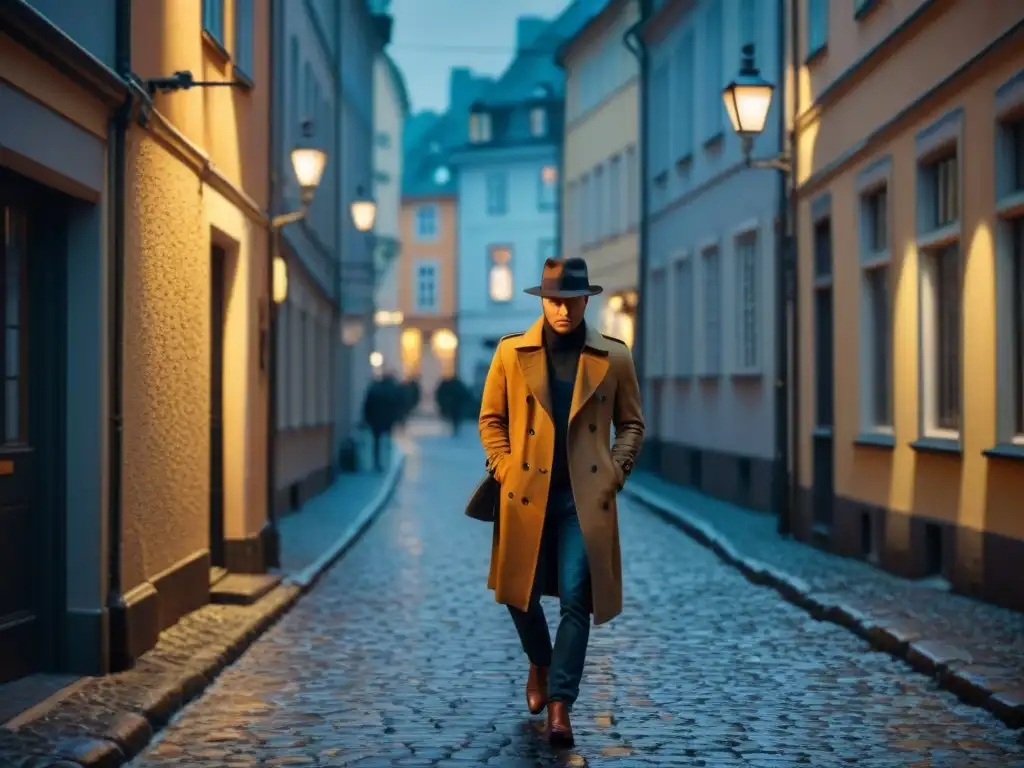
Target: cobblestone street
x=400, y=657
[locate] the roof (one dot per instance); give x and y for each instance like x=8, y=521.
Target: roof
x=430, y=153
x=567, y=44
x=399, y=82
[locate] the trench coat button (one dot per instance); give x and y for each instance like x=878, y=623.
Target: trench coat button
x=510, y=494
x=525, y=500
x=594, y=469
x=601, y=397
x=526, y=466
x=593, y=427
x=605, y=506
x=532, y=433
x=542, y=471
x=529, y=399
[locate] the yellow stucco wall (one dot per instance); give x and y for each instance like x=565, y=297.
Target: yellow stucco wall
x=166, y=376
x=972, y=491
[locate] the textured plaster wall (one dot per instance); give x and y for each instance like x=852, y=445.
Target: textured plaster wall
x=166, y=375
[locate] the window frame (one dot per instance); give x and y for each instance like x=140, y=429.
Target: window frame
x=492, y=264
x=244, y=44
x=875, y=418
x=479, y=127
x=749, y=230
x=656, y=356
x=684, y=357
x=435, y=266
x=712, y=367
x=213, y=12
x=539, y=122
x=491, y=206
x=936, y=142
x=683, y=94
x=818, y=22
x=421, y=235
x=547, y=194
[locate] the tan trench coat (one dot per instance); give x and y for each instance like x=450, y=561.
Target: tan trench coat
x=518, y=435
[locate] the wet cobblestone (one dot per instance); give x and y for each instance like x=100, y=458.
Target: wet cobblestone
x=400, y=657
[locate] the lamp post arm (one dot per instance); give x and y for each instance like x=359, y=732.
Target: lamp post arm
x=779, y=163
x=278, y=222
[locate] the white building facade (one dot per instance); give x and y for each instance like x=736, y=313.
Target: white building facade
x=710, y=282
x=390, y=110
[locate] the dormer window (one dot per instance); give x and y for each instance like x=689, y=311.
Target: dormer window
x=479, y=125
x=538, y=122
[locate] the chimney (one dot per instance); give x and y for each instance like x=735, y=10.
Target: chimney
x=528, y=29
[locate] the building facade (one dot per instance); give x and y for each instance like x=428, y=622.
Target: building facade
x=708, y=363
x=323, y=65
x=390, y=108
x=59, y=93
x=910, y=199
x=601, y=173
x=427, y=275
x=508, y=191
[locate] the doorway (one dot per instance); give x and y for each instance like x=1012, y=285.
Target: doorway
x=33, y=246
x=823, y=491
x=218, y=263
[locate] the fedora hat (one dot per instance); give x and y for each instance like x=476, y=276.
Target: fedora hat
x=564, y=279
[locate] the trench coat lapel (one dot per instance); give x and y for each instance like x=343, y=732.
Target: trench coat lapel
x=533, y=363
x=593, y=367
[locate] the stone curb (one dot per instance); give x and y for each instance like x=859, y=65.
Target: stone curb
x=109, y=720
x=953, y=668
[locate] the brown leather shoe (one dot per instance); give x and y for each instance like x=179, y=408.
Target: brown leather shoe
x=537, y=689
x=559, y=727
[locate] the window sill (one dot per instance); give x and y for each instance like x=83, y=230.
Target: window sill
x=715, y=140
x=660, y=178
x=938, y=237
x=242, y=80
x=1008, y=451
x=708, y=378
x=683, y=162
x=875, y=440
x=1011, y=204
x=822, y=432
x=816, y=55
x=943, y=445
x=749, y=374
x=216, y=47
x=865, y=8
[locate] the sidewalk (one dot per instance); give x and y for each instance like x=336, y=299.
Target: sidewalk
x=105, y=721
x=972, y=648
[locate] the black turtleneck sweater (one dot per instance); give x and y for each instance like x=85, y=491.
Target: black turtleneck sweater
x=563, y=355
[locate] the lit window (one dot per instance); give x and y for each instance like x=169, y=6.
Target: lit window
x=500, y=279
x=538, y=122
x=479, y=127
x=547, y=193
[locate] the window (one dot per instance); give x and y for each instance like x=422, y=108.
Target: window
x=659, y=130
x=308, y=91
x=683, y=303
x=942, y=190
x=817, y=25
x=13, y=248
x=748, y=304
x=658, y=350
x=940, y=309
x=293, y=81
x=1016, y=131
x=712, y=267
x=426, y=223
x=297, y=364
x=547, y=188
x=616, y=212
x=479, y=127
x=748, y=22
x=499, y=279
x=281, y=337
x=538, y=122
x=213, y=19
x=715, y=79
x=597, y=211
x=876, y=311
x=309, y=373
x=682, y=96
x=632, y=187
x=586, y=226
x=497, y=193
x=426, y=286
x=1017, y=313
x=243, y=36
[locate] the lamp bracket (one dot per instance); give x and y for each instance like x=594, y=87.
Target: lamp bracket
x=279, y=222
x=781, y=162
x=183, y=81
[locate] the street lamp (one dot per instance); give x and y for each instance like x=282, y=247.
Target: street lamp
x=364, y=211
x=748, y=100
x=308, y=163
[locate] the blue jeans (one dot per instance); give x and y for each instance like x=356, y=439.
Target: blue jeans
x=562, y=532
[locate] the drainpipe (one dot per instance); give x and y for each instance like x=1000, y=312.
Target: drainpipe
x=334, y=378
x=791, y=257
x=271, y=543
x=118, y=652
x=634, y=42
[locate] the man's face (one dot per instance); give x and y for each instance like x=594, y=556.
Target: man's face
x=565, y=315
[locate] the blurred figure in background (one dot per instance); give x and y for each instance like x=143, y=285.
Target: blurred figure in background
x=382, y=409
x=454, y=401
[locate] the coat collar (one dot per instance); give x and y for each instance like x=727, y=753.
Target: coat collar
x=593, y=366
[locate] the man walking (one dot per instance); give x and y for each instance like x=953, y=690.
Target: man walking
x=550, y=400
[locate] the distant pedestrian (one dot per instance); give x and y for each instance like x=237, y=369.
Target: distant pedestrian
x=382, y=409
x=454, y=402
x=551, y=398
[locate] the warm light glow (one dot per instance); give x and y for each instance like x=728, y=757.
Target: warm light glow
x=748, y=106
x=411, y=343
x=364, y=214
x=501, y=283
x=615, y=303
x=280, y=288
x=549, y=174
x=376, y=359
x=383, y=318
x=351, y=332
x=308, y=164
x=444, y=343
